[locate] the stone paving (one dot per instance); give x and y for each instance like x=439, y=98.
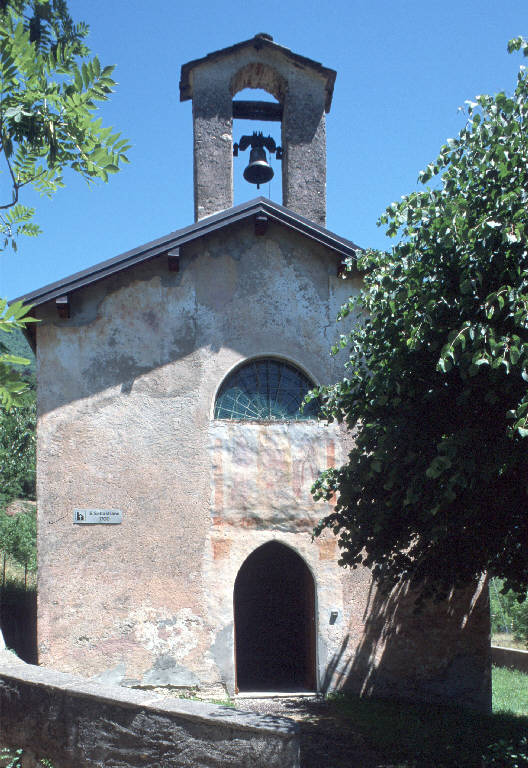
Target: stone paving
x=326, y=740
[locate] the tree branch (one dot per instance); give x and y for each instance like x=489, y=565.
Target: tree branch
x=15, y=185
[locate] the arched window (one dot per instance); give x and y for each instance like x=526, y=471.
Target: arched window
x=265, y=390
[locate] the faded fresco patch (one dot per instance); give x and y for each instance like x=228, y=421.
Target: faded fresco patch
x=262, y=473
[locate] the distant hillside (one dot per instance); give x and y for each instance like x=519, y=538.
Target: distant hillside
x=17, y=344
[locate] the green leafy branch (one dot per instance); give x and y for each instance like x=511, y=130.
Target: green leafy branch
x=49, y=92
x=435, y=386
x=12, y=385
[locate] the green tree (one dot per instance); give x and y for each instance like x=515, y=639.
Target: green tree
x=17, y=450
x=500, y=607
x=6, y=539
x=13, y=385
x=49, y=90
x=24, y=541
x=519, y=613
x=18, y=540
x=435, y=489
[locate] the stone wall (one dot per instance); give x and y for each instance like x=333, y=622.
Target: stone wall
x=512, y=658
x=76, y=723
x=301, y=90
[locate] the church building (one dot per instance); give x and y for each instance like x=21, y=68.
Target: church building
x=175, y=461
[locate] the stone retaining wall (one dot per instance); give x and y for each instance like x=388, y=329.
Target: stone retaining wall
x=509, y=657
x=74, y=722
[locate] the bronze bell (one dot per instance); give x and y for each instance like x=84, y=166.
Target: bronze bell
x=259, y=171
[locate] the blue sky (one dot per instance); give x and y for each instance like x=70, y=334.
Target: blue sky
x=403, y=69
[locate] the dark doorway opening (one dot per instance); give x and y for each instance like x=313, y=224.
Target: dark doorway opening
x=275, y=622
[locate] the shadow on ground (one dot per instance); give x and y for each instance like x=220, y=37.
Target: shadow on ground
x=327, y=740
x=348, y=732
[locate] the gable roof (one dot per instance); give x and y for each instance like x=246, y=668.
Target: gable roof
x=260, y=205
x=258, y=42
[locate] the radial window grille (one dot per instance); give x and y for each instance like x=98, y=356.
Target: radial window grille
x=265, y=390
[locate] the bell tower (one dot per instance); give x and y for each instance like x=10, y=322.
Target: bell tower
x=304, y=91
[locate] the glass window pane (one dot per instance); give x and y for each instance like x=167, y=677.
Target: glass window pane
x=265, y=390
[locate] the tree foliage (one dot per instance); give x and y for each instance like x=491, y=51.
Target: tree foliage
x=18, y=538
x=13, y=385
x=509, y=612
x=17, y=450
x=435, y=489
x=519, y=613
x=49, y=92
x=17, y=344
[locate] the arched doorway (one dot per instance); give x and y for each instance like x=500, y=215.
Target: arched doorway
x=274, y=605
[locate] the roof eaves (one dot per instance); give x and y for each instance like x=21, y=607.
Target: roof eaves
x=295, y=221
x=180, y=237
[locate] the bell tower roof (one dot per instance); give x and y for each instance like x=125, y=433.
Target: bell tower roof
x=261, y=42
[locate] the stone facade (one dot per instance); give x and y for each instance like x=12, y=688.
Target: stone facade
x=126, y=394
x=126, y=398
x=304, y=89
x=128, y=373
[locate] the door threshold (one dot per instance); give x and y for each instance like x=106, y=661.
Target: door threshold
x=277, y=695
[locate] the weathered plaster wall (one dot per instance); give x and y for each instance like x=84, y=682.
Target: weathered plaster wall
x=126, y=392
x=73, y=722
x=440, y=653
x=125, y=399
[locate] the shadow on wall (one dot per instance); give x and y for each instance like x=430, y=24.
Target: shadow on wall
x=187, y=316
x=439, y=653
x=18, y=621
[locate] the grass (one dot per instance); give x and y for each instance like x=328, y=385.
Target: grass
x=510, y=691
x=227, y=702
x=412, y=735
x=15, y=575
x=193, y=696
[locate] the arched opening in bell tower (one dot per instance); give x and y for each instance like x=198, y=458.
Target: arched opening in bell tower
x=274, y=607
x=267, y=112
x=258, y=91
